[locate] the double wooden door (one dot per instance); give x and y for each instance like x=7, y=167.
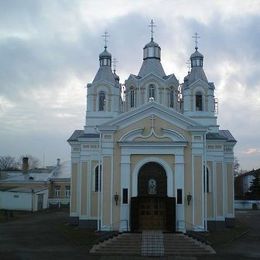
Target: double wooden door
x=151, y=213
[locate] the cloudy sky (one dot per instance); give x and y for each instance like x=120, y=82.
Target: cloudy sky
x=49, y=52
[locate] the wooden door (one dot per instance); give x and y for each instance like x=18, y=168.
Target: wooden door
x=152, y=213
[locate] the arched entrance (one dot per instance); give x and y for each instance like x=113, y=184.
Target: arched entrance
x=152, y=209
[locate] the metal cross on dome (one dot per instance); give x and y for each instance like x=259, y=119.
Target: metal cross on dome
x=105, y=35
x=196, y=37
x=152, y=25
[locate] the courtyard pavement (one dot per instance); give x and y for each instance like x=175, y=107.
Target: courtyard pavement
x=42, y=236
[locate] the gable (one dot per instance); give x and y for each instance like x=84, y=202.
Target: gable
x=151, y=109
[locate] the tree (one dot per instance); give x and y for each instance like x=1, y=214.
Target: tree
x=33, y=161
x=255, y=186
x=236, y=167
x=8, y=162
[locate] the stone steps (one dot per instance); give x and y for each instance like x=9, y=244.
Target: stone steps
x=152, y=243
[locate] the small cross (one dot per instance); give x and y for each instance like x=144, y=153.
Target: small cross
x=196, y=37
x=152, y=120
x=105, y=35
x=114, y=64
x=152, y=25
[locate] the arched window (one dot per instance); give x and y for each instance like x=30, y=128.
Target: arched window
x=151, y=93
x=101, y=101
x=198, y=101
x=132, y=97
x=172, y=93
x=96, y=181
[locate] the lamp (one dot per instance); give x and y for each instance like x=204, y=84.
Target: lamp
x=116, y=198
x=189, y=197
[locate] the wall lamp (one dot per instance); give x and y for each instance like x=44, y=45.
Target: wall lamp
x=116, y=198
x=189, y=197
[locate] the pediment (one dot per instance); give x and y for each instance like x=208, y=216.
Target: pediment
x=200, y=83
x=148, y=110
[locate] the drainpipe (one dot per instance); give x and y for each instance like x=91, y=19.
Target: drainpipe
x=205, y=184
x=32, y=199
x=99, y=182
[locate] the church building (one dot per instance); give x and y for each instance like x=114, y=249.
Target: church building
x=151, y=154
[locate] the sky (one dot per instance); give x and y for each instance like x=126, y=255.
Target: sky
x=49, y=52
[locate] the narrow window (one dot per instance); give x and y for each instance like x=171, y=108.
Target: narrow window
x=171, y=97
x=198, y=101
x=179, y=196
x=132, y=98
x=67, y=191
x=101, y=99
x=151, y=91
x=125, y=196
x=97, y=181
x=57, y=191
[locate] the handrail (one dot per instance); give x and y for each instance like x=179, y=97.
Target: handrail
x=193, y=226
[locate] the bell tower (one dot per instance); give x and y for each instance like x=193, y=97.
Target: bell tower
x=103, y=94
x=198, y=93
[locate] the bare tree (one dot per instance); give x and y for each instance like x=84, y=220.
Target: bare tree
x=8, y=162
x=33, y=161
x=236, y=166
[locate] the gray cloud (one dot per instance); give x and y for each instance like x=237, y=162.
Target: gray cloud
x=49, y=52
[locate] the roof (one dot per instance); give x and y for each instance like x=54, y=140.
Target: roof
x=81, y=134
x=228, y=135
x=196, y=54
x=195, y=74
x=152, y=44
x=28, y=177
x=224, y=135
x=63, y=171
x=24, y=189
x=105, y=54
x=105, y=74
x=151, y=65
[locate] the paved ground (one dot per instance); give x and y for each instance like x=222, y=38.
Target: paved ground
x=42, y=236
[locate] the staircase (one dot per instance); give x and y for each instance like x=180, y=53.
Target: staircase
x=152, y=243
x=180, y=244
x=123, y=244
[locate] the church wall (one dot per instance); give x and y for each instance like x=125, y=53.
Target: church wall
x=219, y=197
x=188, y=187
x=198, y=200
x=210, y=203
x=84, y=175
x=230, y=189
x=74, y=180
x=106, y=190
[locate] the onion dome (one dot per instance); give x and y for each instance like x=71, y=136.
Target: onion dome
x=105, y=58
x=196, y=59
x=152, y=50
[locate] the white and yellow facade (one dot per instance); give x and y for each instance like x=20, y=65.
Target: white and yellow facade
x=154, y=159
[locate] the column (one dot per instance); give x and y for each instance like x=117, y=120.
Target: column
x=179, y=185
x=125, y=184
